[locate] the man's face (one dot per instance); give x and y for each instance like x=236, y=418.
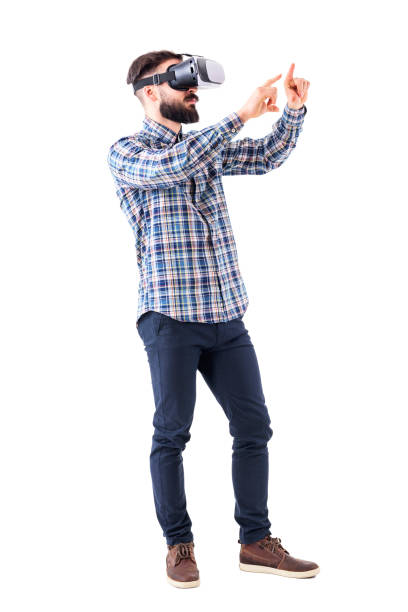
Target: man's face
x=177, y=105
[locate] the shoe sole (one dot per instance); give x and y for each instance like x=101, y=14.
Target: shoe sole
x=183, y=585
x=264, y=569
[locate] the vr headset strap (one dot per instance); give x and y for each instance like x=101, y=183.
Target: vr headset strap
x=156, y=79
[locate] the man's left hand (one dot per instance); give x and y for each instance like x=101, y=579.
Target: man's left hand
x=296, y=89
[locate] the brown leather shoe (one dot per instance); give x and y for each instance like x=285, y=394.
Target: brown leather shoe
x=182, y=569
x=268, y=556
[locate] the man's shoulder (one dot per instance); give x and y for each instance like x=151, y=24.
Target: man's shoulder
x=190, y=133
x=126, y=145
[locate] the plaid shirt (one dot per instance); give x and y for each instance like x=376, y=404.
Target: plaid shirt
x=170, y=188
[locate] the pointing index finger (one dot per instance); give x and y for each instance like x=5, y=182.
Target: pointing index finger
x=289, y=76
x=270, y=81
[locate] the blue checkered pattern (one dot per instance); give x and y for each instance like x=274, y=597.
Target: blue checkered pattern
x=170, y=188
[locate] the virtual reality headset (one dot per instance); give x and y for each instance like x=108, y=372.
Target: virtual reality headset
x=194, y=72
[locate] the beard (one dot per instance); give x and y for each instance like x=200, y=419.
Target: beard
x=182, y=112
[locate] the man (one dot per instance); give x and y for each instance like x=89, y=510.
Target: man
x=192, y=298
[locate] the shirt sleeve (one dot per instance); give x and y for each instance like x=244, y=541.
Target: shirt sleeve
x=137, y=166
x=258, y=156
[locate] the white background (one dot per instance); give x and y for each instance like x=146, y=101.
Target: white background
x=322, y=244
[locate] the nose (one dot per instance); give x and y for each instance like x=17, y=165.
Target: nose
x=192, y=91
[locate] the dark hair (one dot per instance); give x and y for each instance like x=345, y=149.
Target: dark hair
x=145, y=65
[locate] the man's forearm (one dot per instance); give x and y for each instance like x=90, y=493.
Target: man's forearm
x=244, y=118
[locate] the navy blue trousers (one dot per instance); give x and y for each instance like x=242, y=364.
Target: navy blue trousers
x=225, y=356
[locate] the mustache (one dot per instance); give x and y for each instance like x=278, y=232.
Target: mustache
x=192, y=98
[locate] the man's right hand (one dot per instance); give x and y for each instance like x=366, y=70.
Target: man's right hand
x=263, y=100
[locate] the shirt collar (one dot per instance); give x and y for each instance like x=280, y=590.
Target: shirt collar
x=157, y=131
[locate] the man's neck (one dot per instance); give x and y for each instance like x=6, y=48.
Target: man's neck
x=173, y=125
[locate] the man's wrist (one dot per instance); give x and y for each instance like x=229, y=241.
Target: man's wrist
x=295, y=107
x=242, y=116
x=229, y=126
x=293, y=116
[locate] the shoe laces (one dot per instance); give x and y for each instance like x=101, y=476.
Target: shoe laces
x=184, y=551
x=272, y=544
